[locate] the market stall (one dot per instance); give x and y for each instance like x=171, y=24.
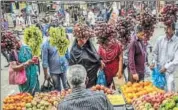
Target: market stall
x=146, y=98
x=143, y=95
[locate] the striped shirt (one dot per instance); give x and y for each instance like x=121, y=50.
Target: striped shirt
x=84, y=99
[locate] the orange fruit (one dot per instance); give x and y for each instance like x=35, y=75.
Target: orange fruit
x=134, y=90
x=129, y=101
x=147, y=83
x=141, y=83
x=137, y=94
x=128, y=90
x=137, y=85
x=130, y=96
x=18, y=108
x=129, y=84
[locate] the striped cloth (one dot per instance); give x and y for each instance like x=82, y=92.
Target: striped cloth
x=84, y=99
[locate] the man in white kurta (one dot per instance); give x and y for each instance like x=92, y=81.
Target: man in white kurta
x=165, y=55
x=67, y=18
x=91, y=18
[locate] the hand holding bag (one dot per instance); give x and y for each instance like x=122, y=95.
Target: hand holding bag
x=48, y=87
x=16, y=77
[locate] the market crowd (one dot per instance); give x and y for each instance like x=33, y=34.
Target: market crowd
x=122, y=43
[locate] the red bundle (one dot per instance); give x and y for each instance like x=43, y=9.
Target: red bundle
x=8, y=40
x=169, y=14
x=83, y=31
x=147, y=21
x=124, y=28
x=105, y=33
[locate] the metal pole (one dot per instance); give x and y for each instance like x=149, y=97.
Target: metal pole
x=157, y=7
x=0, y=30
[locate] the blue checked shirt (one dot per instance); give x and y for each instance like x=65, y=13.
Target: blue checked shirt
x=51, y=59
x=85, y=99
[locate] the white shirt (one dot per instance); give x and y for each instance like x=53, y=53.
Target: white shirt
x=165, y=53
x=154, y=12
x=67, y=17
x=85, y=13
x=91, y=18
x=20, y=21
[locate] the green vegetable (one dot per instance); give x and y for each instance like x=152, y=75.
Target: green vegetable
x=170, y=104
x=28, y=105
x=34, y=103
x=38, y=106
x=33, y=38
x=175, y=108
x=58, y=39
x=34, y=108
x=148, y=106
x=175, y=98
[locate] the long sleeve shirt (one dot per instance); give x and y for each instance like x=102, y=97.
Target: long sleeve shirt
x=165, y=53
x=45, y=28
x=84, y=99
x=5, y=25
x=136, y=56
x=13, y=15
x=91, y=18
x=51, y=59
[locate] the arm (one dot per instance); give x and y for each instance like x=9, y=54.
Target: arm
x=100, y=57
x=19, y=67
x=155, y=53
x=173, y=63
x=67, y=55
x=131, y=58
x=15, y=66
x=45, y=58
x=120, y=65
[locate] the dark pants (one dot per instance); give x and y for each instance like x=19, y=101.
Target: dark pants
x=125, y=72
x=57, y=79
x=6, y=55
x=27, y=19
x=14, y=22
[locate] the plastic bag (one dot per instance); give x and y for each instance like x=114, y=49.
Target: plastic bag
x=48, y=87
x=158, y=78
x=101, y=80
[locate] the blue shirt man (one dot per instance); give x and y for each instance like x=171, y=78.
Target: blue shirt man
x=56, y=64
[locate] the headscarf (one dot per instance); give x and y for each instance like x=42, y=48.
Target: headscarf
x=111, y=52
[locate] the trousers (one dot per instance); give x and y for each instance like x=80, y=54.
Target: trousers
x=57, y=79
x=170, y=82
